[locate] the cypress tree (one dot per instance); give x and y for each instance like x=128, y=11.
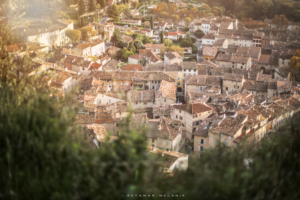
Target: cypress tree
x=152, y=23
x=81, y=9
x=102, y=3
x=92, y=5
x=114, y=13
x=162, y=38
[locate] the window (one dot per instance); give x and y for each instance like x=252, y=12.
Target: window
x=201, y=141
x=200, y=88
x=104, y=124
x=165, y=100
x=109, y=100
x=167, y=143
x=159, y=140
x=229, y=137
x=180, y=118
x=99, y=100
x=176, y=116
x=221, y=135
x=178, y=83
x=178, y=78
x=179, y=111
x=215, y=141
x=145, y=103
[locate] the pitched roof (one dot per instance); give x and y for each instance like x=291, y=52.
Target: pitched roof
x=208, y=36
x=95, y=66
x=210, y=51
x=193, y=108
x=133, y=67
x=189, y=65
x=153, y=57
x=137, y=57
x=229, y=125
x=172, y=55
x=154, y=46
x=168, y=89
x=141, y=96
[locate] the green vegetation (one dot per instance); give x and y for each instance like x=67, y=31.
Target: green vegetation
x=81, y=9
x=74, y=35
x=295, y=66
x=114, y=13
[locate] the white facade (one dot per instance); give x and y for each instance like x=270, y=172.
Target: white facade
x=102, y=99
x=133, y=61
x=208, y=41
x=98, y=49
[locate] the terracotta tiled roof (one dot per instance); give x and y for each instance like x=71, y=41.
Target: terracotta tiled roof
x=60, y=77
x=137, y=57
x=133, y=67
x=127, y=38
x=208, y=36
x=95, y=66
x=189, y=65
x=264, y=78
x=154, y=46
x=230, y=126
x=168, y=89
x=172, y=55
x=210, y=51
x=153, y=57
x=85, y=118
x=194, y=108
x=144, y=52
x=141, y=96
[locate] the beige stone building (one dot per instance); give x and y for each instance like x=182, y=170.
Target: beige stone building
x=191, y=115
x=232, y=82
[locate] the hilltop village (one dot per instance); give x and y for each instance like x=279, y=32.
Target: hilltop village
x=193, y=78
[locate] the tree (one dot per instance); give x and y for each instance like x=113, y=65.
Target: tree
x=146, y=39
x=138, y=45
x=116, y=37
x=280, y=21
x=127, y=13
x=123, y=54
x=187, y=21
x=74, y=35
x=162, y=37
x=202, y=14
x=199, y=33
x=87, y=33
x=135, y=4
x=194, y=49
x=92, y=5
x=168, y=43
x=175, y=18
x=177, y=49
x=295, y=65
x=147, y=24
x=81, y=7
x=103, y=3
x=114, y=13
x=152, y=22
x=131, y=47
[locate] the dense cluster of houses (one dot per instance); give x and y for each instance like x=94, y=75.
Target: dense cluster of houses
x=237, y=92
